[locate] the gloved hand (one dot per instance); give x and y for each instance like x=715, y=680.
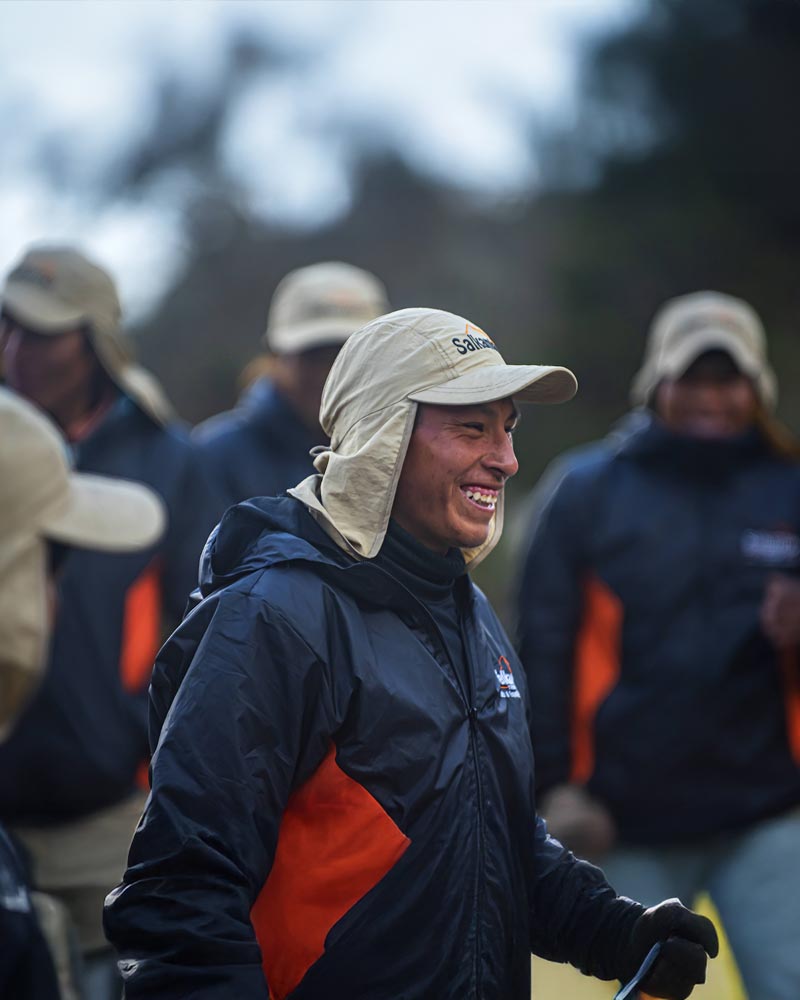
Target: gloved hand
x=579, y=821
x=780, y=611
x=687, y=938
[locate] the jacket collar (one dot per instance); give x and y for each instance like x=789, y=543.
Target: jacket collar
x=269, y=410
x=641, y=435
x=271, y=531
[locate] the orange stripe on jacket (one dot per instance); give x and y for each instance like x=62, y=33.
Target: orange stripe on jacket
x=597, y=668
x=790, y=662
x=335, y=843
x=141, y=628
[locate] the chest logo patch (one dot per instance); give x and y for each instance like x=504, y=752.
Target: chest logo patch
x=771, y=548
x=508, y=689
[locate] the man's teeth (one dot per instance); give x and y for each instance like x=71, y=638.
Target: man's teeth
x=486, y=499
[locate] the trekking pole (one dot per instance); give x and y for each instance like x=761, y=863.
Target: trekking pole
x=631, y=991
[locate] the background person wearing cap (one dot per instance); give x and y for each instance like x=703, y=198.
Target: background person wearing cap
x=68, y=773
x=45, y=507
x=261, y=447
x=660, y=622
x=342, y=799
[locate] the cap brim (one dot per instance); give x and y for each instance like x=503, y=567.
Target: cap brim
x=37, y=308
x=315, y=333
x=525, y=383
x=684, y=354
x=109, y=514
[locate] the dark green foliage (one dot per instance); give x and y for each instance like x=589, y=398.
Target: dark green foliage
x=680, y=172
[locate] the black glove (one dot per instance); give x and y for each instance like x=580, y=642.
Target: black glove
x=681, y=965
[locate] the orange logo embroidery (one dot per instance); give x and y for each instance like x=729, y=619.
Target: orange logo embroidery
x=505, y=678
x=474, y=339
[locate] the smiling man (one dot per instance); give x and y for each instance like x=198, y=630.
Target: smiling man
x=660, y=631
x=342, y=801
x=457, y=463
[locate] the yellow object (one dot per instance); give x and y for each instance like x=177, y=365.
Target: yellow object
x=562, y=982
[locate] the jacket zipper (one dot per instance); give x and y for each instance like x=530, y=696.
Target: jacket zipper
x=473, y=731
x=467, y=697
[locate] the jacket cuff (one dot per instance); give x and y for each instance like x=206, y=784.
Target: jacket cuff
x=608, y=954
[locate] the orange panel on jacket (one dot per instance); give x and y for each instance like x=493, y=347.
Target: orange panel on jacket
x=597, y=669
x=141, y=628
x=790, y=662
x=335, y=844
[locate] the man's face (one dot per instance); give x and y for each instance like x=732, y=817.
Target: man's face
x=48, y=369
x=712, y=400
x=458, y=460
x=301, y=377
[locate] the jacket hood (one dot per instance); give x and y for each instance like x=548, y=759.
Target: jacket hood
x=272, y=531
x=260, y=533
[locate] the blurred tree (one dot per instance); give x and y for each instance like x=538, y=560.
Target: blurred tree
x=682, y=171
x=677, y=173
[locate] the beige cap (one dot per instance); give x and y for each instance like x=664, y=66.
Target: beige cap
x=42, y=498
x=322, y=304
x=369, y=404
x=54, y=289
x=688, y=326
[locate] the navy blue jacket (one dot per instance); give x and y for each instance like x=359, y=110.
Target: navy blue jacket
x=78, y=746
x=260, y=448
x=650, y=678
x=26, y=968
x=328, y=801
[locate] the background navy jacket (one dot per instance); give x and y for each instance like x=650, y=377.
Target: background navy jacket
x=78, y=746
x=26, y=968
x=260, y=448
x=650, y=678
x=328, y=801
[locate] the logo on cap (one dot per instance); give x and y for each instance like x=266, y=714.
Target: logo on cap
x=474, y=339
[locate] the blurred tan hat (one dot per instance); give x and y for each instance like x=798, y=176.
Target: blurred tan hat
x=41, y=495
x=370, y=400
x=54, y=289
x=41, y=498
x=688, y=326
x=322, y=304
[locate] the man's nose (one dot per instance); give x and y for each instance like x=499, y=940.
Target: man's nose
x=502, y=457
x=711, y=395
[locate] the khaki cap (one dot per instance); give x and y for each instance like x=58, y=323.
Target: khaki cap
x=688, y=326
x=369, y=404
x=41, y=495
x=428, y=356
x=42, y=498
x=54, y=289
x=322, y=304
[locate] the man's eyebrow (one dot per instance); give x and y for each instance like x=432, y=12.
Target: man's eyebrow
x=486, y=408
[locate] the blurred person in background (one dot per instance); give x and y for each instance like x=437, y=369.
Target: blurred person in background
x=343, y=801
x=261, y=447
x=659, y=614
x=72, y=773
x=47, y=509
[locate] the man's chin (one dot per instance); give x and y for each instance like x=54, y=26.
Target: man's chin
x=472, y=539
x=711, y=432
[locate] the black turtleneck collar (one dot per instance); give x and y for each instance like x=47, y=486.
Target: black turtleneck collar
x=646, y=437
x=427, y=574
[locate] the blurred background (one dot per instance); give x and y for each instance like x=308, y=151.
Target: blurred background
x=553, y=170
